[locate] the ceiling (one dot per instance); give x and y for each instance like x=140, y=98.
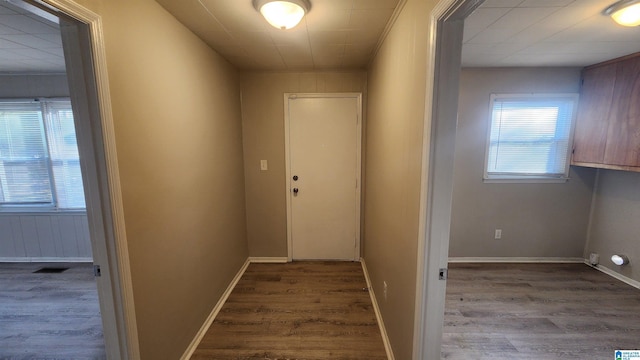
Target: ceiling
x=544, y=33
x=29, y=43
x=343, y=34
x=334, y=34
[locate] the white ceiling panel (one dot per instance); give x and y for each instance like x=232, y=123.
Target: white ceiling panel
x=544, y=33
x=28, y=43
x=344, y=34
x=320, y=41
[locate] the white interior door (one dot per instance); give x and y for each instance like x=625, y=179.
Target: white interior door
x=323, y=175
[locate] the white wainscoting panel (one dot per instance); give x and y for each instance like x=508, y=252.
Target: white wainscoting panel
x=44, y=237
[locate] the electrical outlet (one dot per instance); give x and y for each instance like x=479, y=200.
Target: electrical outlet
x=498, y=234
x=384, y=290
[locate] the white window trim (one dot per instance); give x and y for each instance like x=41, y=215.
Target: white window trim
x=534, y=178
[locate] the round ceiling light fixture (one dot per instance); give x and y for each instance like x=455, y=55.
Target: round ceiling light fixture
x=282, y=14
x=624, y=12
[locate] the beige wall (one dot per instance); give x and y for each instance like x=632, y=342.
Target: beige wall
x=537, y=220
x=13, y=86
x=615, y=228
x=263, y=134
x=176, y=110
x=393, y=169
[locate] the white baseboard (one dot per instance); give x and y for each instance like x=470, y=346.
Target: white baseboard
x=568, y=260
x=376, y=309
x=216, y=309
x=613, y=274
x=46, y=259
x=268, y=260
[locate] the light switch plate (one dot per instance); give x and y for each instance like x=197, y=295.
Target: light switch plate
x=263, y=165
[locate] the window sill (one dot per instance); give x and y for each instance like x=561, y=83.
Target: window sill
x=527, y=180
x=35, y=210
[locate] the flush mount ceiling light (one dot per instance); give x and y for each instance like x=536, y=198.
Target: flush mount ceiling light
x=282, y=14
x=625, y=12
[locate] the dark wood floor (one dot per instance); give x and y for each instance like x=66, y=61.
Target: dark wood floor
x=301, y=310
x=49, y=316
x=538, y=311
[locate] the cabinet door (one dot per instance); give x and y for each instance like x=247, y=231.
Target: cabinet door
x=590, y=136
x=623, y=137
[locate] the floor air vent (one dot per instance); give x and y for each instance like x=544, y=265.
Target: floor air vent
x=50, y=270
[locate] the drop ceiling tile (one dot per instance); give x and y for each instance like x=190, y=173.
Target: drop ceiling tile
x=520, y=18
x=363, y=37
x=332, y=4
x=25, y=24
x=5, y=30
x=323, y=18
x=252, y=38
x=375, y=4
x=328, y=37
x=56, y=52
x=545, y=3
x=5, y=10
x=529, y=37
x=29, y=53
x=6, y=44
x=296, y=36
x=29, y=41
x=52, y=38
x=470, y=32
x=370, y=19
x=491, y=36
x=362, y=50
x=295, y=57
x=501, y=3
x=567, y=17
x=236, y=15
x=483, y=17
x=329, y=51
x=481, y=60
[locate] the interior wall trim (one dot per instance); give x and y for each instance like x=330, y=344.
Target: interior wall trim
x=387, y=29
x=548, y=260
x=614, y=274
x=46, y=259
x=376, y=309
x=216, y=309
x=268, y=260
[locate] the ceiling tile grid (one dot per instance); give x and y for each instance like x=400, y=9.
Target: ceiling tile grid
x=544, y=33
x=28, y=43
x=334, y=34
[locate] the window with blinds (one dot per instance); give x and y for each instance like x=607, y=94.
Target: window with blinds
x=530, y=136
x=39, y=162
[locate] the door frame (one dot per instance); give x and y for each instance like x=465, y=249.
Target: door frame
x=287, y=151
x=89, y=88
x=444, y=52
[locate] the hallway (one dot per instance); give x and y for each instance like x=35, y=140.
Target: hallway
x=299, y=310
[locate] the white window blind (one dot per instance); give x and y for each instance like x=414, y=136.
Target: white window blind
x=39, y=162
x=530, y=136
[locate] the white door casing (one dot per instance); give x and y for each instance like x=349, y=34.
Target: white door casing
x=323, y=150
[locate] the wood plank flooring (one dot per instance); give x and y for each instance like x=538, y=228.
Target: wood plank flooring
x=538, y=311
x=300, y=310
x=49, y=316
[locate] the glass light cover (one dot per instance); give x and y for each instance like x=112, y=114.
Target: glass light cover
x=282, y=14
x=628, y=16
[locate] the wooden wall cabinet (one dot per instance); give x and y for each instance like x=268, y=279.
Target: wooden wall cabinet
x=607, y=133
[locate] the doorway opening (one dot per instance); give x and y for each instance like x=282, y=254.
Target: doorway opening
x=80, y=53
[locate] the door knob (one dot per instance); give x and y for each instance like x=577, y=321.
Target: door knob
x=295, y=190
